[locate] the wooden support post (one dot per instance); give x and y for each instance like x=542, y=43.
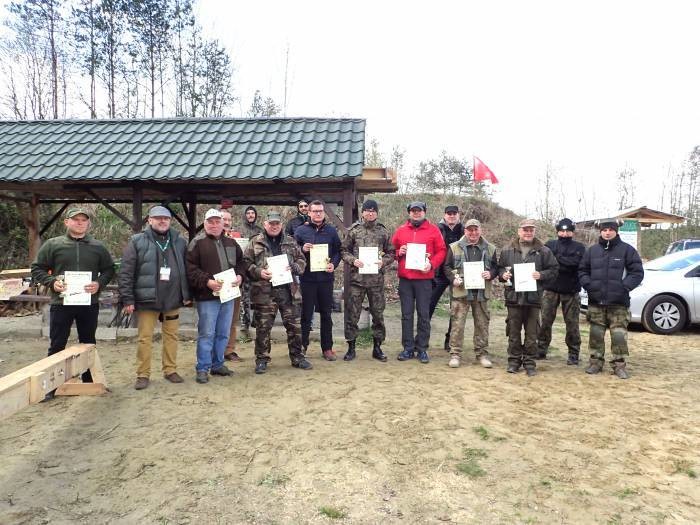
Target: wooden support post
x=191, y=212
x=59, y=371
x=137, y=212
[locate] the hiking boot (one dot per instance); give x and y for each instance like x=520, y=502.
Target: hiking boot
x=485, y=361
x=513, y=369
x=303, y=365
x=530, y=372
x=202, y=377
x=595, y=366
x=405, y=355
x=423, y=356
x=261, y=367
x=221, y=371
x=141, y=383
x=446, y=346
x=329, y=355
x=541, y=354
x=377, y=351
x=573, y=359
x=233, y=356
x=454, y=361
x=173, y=378
x=350, y=354
x=619, y=369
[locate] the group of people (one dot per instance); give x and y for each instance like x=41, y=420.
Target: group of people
x=161, y=272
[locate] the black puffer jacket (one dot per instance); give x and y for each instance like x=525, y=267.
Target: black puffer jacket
x=449, y=236
x=609, y=270
x=569, y=254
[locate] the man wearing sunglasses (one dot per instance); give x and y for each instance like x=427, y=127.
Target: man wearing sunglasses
x=301, y=218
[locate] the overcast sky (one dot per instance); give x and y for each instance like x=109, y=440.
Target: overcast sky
x=588, y=87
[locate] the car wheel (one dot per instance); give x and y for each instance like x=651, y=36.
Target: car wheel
x=664, y=314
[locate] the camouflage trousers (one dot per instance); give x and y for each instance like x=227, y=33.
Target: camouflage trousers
x=459, y=309
x=614, y=318
x=519, y=352
x=571, y=309
x=353, y=309
x=291, y=318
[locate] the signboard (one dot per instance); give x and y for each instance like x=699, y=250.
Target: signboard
x=628, y=232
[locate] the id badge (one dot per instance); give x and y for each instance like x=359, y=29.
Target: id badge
x=164, y=273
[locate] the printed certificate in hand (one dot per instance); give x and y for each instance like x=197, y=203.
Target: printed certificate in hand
x=318, y=258
x=415, y=256
x=229, y=287
x=75, y=294
x=279, y=265
x=242, y=242
x=522, y=276
x=369, y=255
x=472, y=275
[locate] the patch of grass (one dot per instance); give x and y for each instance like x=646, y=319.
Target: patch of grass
x=615, y=519
x=470, y=465
x=496, y=305
x=332, y=513
x=474, y=453
x=442, y=310
x=273, y=479
x=684, y=467
x=626, y=493
x=364, y=337
x=482, y=432
x=546, y=483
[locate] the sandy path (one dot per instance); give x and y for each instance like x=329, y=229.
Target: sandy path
x=382, y=443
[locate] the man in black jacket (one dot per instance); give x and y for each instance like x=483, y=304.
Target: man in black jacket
x=565, y=290
x=452, y=230
x=153, y=282
x=609, y=270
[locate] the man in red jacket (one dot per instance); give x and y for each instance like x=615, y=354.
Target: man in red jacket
x=420, y=250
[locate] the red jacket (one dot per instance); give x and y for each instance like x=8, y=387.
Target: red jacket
x=428, y=234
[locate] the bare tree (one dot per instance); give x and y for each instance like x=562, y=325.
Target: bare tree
x=626, y=188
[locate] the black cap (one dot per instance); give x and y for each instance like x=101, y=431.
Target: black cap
x=417, y=204
x=370, y=204
x=451, y=209
x=565, y=225
x=611, y=222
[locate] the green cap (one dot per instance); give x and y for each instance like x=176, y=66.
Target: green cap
x=274, y=216
x=72, y=212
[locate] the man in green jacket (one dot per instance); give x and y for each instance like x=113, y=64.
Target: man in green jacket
x=76, y=251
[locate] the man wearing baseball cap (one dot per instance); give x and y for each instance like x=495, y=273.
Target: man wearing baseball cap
x=609, y=271
x=209, y=253
x=77, y=250
x=565, y=290
x=415, y=281
x=524, y=306
x=153, y=282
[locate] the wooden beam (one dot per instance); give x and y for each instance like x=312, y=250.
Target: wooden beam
x=111, y=208
x=53, y=218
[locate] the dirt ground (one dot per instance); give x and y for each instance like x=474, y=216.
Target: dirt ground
x=364, y=442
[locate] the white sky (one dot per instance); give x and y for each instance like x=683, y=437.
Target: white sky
x=590, y=87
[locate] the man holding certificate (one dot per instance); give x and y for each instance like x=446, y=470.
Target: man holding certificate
x=320, y=243
x=471, y=265
x=420, y=250
x=523, y=265
x=75, y=267
x=273, y=260
x=209, y=255
x=368, y=251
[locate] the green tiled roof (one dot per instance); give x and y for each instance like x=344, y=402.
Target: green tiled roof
x=181, y=149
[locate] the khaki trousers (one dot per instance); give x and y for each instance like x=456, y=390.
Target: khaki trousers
x=147, y=320
x=231, y=346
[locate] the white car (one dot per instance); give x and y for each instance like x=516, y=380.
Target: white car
x=668, y=299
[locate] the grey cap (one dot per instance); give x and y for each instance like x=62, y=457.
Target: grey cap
x=273, y=216
x=159, y=211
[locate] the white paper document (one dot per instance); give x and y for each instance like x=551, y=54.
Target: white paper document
x=10, y=288
x=279, y=266
x=75, y=294
x=369, y=255
x=242, y=242
x=472, y=275
x=229, y=287
x=415, y=256
x=522, y=276
x=318, y=258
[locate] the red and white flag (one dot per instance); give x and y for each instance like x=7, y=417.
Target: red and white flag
x=482, y=172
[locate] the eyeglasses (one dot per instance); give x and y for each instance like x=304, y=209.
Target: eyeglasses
x=303, y=205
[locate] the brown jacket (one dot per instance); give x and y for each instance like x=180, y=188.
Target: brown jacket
x=206, y=256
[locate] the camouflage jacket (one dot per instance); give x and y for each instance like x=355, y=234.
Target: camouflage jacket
x=249, y=230
x=460, y=252
x=255, y=260
x=367, y=235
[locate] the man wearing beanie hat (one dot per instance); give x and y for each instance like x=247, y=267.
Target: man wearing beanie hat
x=248, y=229
x=609, y=270
x=368, y=232
x=565, y=290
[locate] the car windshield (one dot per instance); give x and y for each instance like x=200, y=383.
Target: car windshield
x=675, y=261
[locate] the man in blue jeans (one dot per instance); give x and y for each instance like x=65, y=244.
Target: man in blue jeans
x=209, y=253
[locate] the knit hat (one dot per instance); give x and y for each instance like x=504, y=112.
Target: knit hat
x=610, y=222
x=370, y=204
x=251, y=208
x=565, y=225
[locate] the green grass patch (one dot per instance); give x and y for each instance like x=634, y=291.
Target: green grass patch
x=685, y=467
x=273, y=479
x=546, y=483
x=626, y=493
x=470, y=466
x=482, y=432
x=332, y=513
x=364, y=337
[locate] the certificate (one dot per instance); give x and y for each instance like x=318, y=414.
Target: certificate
x=75, y=294
x=318, y=258
x=10, y=288
x=522, y=275
x=242, y=242
x=415, y=256
x=369, y=255
x=472, y=275
x=279, y=266
x=229, y=285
